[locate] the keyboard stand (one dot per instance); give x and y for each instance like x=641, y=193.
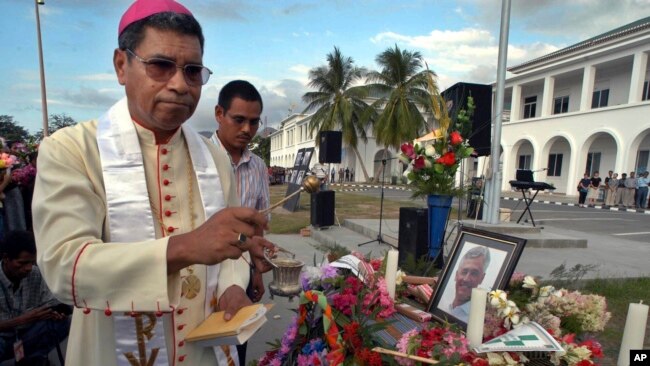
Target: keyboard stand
x=528, y=201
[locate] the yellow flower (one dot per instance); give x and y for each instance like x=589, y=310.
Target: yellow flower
x=2, y=164
x=399, y=277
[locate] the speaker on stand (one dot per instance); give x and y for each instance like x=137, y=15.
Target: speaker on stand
x=413, y=233
x=330, y=147
x=322, y=209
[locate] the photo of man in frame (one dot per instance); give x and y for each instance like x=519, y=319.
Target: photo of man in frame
x=478, y=266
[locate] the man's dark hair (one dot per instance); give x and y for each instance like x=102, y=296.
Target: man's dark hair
x=238, y=89
x=133, y=35
x=16, y=242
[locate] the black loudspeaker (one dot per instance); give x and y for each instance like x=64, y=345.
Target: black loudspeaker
x=456, y=96
x=330, y=147
x=322, y=208
x=413, y=233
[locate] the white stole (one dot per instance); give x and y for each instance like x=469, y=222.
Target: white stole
x=129, y=211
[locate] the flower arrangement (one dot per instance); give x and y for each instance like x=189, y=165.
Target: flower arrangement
x=432, y=166
x=335, y=321
x=7, y=160
x=569, y=316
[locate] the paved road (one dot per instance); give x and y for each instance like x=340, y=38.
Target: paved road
x=615, y=224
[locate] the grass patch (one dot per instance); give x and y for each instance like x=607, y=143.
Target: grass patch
x=619, y=293
x=349, y=205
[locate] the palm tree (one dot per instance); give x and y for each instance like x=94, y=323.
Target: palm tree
x=338, y=104
x=401, y=87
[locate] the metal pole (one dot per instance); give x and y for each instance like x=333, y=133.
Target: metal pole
x=40, y=61
x=495, y=197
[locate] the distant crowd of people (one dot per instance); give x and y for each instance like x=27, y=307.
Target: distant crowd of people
x=628, y=191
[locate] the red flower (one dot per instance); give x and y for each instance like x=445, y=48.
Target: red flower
x=593, y=346
x=480, y=362
x=418, y=164
x=448, y=159
x=584, y=363
x=407, y=149
x=455, y=138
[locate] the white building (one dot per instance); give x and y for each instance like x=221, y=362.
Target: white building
x=580, y=109
x=293, y=135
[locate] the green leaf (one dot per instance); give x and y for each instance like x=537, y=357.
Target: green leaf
x=439, y=168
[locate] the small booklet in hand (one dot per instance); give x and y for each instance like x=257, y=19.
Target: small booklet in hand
x=215, y=331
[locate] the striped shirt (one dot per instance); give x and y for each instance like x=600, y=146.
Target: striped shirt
x=32, y=293
x=252, y=178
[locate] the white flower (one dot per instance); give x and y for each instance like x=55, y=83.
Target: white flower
x=529, y=282
x=399, y=277
x=546, y=291
x=403, y=158
x=498, y=298
x=430, y=150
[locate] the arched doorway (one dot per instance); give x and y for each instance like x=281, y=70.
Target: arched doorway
x=378, y=161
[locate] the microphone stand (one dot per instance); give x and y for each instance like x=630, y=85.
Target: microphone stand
x=380, y=239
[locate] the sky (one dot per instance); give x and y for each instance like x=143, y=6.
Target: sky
x=274, y=44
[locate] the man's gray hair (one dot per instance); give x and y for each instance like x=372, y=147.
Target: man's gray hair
x=477, y=252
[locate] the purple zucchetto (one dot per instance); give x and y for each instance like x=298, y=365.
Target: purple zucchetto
x=141, y=9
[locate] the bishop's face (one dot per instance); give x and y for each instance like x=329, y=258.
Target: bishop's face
x=157, y=104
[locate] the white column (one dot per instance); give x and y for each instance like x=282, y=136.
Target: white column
x=547, y=97
x=515, y=104
x=638, y=76
x=588, y=78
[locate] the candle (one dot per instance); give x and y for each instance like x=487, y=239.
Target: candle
x=634, y=333
x=391, y=272
x=476, y=320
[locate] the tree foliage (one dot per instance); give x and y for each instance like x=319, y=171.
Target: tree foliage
x=11, y=130
x=401, y=89
x=55, y=123
x=261, y=147
x=337, y=103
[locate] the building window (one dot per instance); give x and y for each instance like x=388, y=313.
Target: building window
x=593, y=163
x=561, y=105
x=646, y=90
x=600, y=98
x=530, y=104
x=642, y=161
x=554, y=165
x=524, y=162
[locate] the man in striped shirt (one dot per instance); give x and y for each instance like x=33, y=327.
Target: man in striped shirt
x=238, y=114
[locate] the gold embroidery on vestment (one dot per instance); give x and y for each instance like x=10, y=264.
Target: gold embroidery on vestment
x=143, y=331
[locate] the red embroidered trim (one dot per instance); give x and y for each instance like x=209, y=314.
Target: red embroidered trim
x=74, y=272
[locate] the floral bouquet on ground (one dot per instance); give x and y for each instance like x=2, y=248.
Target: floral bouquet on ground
x=569, y=316
x=432, y=164
x=336, y=319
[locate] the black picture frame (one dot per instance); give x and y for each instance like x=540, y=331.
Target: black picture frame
x=504, y=250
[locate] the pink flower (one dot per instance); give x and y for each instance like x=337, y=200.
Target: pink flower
x=408, y=150
x=419, y=163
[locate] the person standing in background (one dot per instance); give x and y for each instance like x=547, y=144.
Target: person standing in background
x=620, y=191
x=611, y=188
x=642, y=190
x=594, y=189
x=583, y=188
x=238, y=112
x=630, y=190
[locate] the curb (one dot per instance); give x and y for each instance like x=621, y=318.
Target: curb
x=599, y=207
x=364, y=187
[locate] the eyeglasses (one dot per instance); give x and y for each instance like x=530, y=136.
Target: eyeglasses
x=240, y=120
x=161, y=69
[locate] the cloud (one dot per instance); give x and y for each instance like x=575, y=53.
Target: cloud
x=86, y=98
x=465, y=54
x=98, y=77
x=570, y=20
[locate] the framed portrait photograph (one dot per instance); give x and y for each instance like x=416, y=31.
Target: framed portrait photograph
x=478, y=258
